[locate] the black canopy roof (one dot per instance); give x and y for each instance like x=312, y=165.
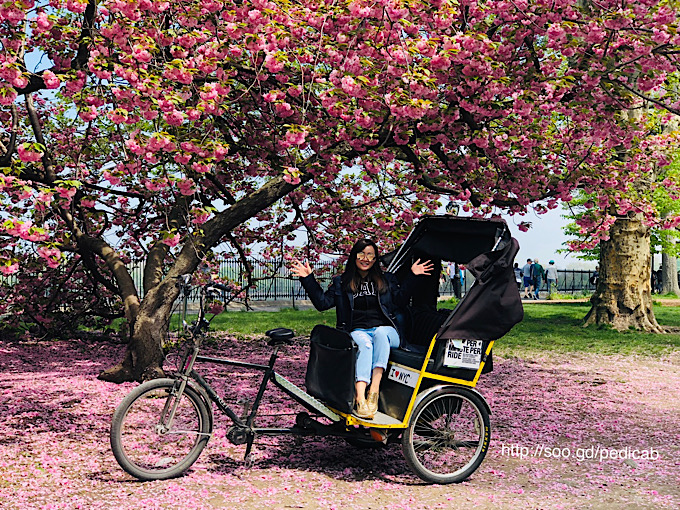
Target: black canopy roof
x=450, y=238
x=492, y=305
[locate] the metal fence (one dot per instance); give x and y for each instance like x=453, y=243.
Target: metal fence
x=272, y=280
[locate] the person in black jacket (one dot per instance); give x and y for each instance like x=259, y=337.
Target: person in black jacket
x=367, y=302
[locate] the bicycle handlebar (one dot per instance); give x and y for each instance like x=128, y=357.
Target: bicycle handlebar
x=217, y=286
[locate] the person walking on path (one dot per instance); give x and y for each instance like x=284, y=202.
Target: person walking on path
x=366, y=302
x=453, y=270
x=518, y=276
x=526, y=276
x=537, y=274
x=551, y=277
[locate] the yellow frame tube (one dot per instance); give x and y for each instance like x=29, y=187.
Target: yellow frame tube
x=353, y=420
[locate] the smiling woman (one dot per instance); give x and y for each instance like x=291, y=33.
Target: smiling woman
x=367, y=303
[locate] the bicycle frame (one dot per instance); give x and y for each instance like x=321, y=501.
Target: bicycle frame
x=242, y=430
x=269, y=374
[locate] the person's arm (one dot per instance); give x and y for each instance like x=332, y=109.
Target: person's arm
x=320, y=299
x=401, y=292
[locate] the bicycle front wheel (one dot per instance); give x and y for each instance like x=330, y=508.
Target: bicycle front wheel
x=151, y=442
x=448, y=435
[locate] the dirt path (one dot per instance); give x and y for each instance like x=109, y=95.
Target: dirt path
x=54, y=452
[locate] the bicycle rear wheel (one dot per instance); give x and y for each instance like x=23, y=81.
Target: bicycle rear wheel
x=448, y=435
x=150, y=446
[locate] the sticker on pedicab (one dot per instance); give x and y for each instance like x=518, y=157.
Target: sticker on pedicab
x=403, y=376
x=463, y=354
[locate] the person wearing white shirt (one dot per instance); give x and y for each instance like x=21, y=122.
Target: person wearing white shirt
x=551, y=277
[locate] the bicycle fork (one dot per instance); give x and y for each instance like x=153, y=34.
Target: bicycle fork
x=168, y=416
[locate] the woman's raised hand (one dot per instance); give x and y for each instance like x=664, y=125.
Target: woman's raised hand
x=300, y=269
x=419, y=268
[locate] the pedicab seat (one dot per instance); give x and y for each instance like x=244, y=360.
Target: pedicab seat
x=420, y=326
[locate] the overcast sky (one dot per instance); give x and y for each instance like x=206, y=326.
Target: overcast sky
x=543, y=240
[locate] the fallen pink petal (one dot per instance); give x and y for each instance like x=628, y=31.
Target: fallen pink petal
x=55, y=453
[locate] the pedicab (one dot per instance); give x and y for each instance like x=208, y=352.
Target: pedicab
x=428, y=401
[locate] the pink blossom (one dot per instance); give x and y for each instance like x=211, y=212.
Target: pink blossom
x=51, y=255
x=296, y=136
x=182, y=159
x=201, y=167
x=118, y=116
x=186, y=187
x=174, y=118
x=51, y=80
x=67, y=193
x=350, y=86
x=283, y=109
x=7, y=94
x=26, y=153
x=172, y=240
x=43, y=22
x=88, y=114
x=9, y=268
x=113, y=179
x=273, y=64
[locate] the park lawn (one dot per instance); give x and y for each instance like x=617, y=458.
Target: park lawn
x=546, y=327
x=558, y=328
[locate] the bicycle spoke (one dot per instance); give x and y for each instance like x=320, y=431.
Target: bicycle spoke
x=445, y=438
x=143, y=443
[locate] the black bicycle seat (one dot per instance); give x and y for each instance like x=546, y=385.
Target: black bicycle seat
x=280, y=336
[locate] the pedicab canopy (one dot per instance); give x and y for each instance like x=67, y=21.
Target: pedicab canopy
x=492, y=306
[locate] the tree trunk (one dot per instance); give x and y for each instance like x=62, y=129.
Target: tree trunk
x=144, y=357
x=669, y=275
x=623, y=297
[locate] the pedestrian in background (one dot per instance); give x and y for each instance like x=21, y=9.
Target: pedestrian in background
x=518, y=276
x=551, y=277
x=537, y=274
x=526, y=276
x=453, y=269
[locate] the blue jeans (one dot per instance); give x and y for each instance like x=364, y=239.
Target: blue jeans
x=537, y=283
x=374, y=349
x=552, y=283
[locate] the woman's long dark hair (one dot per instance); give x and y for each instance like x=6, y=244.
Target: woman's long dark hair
x=351, y=279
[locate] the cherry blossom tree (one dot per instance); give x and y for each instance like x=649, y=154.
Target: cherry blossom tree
x=641, y=216
x=157, y=131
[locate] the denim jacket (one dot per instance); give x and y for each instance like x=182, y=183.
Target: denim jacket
x=392, y=301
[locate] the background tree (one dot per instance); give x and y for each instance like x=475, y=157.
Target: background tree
x=648, y=219
x=156, y=131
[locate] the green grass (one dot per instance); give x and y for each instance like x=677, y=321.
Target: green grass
x=558, y=328
x=545, y=328
x=245, y=324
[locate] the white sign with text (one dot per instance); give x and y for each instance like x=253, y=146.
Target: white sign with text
x=403, y=376
x=463, y=354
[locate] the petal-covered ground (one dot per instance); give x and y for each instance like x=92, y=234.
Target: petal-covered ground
x=567, y=432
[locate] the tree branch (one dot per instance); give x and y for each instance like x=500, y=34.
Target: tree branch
x=48, y=164
x=658, y=103
x=226, y=195
x=532, y=51
x=153, y=269
x=6, y=158
x=130, y=194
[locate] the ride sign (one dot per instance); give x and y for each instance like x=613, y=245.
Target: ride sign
x=463, y=354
